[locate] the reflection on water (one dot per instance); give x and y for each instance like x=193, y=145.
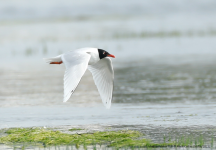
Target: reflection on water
x=166, y=83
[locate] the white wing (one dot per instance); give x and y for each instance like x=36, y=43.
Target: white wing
x=76, y=64
x=103, y=76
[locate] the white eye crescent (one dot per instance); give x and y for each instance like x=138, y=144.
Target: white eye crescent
x=103, y=52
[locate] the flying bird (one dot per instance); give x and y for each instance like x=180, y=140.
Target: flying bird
x=76, y=63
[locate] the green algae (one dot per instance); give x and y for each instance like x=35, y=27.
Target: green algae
x=117, y=139
x=51, y=137
x=75, y=129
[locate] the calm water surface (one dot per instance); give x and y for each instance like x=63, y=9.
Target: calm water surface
x=146, y=92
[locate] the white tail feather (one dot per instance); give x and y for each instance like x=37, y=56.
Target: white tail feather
x=53, y=59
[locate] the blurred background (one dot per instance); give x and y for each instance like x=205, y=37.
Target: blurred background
x=165, y=60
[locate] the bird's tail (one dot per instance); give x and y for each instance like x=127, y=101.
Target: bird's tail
x=54, y=60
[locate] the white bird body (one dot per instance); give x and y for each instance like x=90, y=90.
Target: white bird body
x=76, y=63
x=83, y=51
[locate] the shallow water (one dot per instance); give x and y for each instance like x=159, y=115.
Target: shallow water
x=147, y=91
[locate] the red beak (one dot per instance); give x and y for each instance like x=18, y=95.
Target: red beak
x=110, y=55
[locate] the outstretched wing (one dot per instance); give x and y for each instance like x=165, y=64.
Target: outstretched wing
x=76, y=64
x=103, y=76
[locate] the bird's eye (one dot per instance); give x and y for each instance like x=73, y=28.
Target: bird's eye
x=104, y=52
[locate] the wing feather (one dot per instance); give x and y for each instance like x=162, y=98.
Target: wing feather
x=103, y=76
x=76, y=64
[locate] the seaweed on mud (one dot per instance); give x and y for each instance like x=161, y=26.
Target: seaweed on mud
x=117, y=139
x=75, y=129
